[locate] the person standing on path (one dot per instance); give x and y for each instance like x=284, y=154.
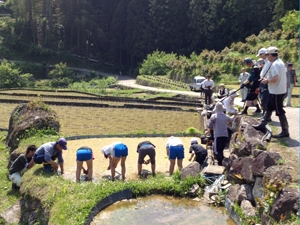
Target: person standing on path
x=276, y=80
x=242, y=78
x=174, y=150
x=208, y=86
x=291, y=82
x=116, y=152
x=252, y=83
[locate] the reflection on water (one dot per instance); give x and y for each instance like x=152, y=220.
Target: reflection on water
x=161, y=210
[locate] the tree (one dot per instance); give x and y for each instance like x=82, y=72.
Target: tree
x=11, y=77
x=290, y=21
x=61, y=71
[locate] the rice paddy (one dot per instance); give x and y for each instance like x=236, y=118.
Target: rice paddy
x=78, y=121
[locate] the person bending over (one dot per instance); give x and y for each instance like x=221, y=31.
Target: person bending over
x=116, y=152
x=145, y=148
x=174, y=150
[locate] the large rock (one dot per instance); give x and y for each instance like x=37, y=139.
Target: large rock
x=258, y=191
x=264, y=161
x=247, y=208
x=240, y=171
x=245, y=193
x=33, y=115
x=285, y=204
x=192, y=169
x=246, y=139
x=233, y=192
x=276, y=175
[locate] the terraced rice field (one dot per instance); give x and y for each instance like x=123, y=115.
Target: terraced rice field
x=77, y=120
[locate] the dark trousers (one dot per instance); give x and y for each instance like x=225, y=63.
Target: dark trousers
x=208, y=94
x=39, y=159
x=219, y=146
x=275, y=103
x=200, y=158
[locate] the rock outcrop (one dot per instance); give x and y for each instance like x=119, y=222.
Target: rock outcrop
x=29, y=117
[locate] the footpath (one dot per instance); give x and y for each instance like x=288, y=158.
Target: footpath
x=292, y=113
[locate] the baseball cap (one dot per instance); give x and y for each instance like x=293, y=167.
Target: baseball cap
x=233, y=93
x=290, y=64
x=194, y=141
x=261, y=51
x=247, y=61
x=63, y=143
x=272, y=50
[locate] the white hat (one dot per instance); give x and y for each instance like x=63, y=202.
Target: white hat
x=272, y=50
x=194, y=141
x=261, y=51
x=104, y=149
x=233, y=93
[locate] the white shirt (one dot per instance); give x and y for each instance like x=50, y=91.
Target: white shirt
x=265, y=68
x=228, y=104
x=278, y=87
x=208, y=83
x=243, y=77
x=110, y=149
x=173, y=141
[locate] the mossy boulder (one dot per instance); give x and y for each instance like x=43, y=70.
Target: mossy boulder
x=32, y=116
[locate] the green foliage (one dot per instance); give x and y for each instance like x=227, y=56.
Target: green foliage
x=192, y=131
x=61, y=71
x=38, y=104
x=161, y=81
x=11, y=76
x=95, y=86
x=157, y=63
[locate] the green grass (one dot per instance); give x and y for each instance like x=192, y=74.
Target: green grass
x=7, y=196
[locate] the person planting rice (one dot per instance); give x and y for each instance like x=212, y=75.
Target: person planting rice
x=175, y=150
x=84, y=154
x=115, y=152
x=146, y=148
x=198, y=151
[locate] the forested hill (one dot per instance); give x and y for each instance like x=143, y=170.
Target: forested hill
x=123, y=32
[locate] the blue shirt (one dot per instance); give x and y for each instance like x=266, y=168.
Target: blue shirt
x=48, y=150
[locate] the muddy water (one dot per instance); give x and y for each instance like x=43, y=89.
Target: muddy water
x=162, y=210
x=100, y=164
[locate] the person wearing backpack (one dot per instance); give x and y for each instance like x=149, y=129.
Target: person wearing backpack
x=20, y=166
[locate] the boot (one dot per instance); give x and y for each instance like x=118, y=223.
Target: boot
x=244, y=112
x=264, y=121
x=284, y=127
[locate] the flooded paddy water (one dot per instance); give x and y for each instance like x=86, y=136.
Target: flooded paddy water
x=156, y=209
x=100, y=164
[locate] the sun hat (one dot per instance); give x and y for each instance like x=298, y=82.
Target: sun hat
x=221, y=85
x=261, y=51
x=272, y=50
x=104, y=149
x=260, y=61
x=219, y=108
x=194, y=141
x=63, y=143
x=233, y=93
